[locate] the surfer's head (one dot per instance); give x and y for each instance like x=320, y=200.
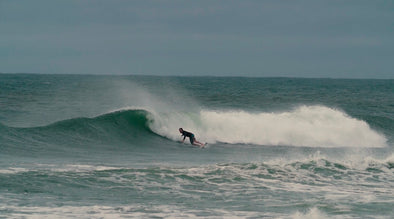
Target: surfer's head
x=180, y=130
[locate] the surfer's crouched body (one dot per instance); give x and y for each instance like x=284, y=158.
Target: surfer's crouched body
x=191, y=137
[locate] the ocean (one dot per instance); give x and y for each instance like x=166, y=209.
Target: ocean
x=90, y=146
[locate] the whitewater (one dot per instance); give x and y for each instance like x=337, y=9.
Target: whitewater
x=109, y=147
x=314, y=126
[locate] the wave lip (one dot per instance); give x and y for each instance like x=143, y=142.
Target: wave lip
x=310, y=126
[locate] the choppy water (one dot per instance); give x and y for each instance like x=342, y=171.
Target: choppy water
x=108, y=146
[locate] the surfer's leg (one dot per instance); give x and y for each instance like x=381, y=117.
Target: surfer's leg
x=198, y=143
x=193, y=141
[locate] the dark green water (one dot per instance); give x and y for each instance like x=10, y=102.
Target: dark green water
x=108, y=146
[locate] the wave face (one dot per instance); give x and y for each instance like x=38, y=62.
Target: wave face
x=119, y=124
x=313, y=126
x=128, y=128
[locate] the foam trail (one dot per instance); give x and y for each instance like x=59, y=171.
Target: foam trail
x=314, y=126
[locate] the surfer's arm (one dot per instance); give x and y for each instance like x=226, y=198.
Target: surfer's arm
x=184, y=137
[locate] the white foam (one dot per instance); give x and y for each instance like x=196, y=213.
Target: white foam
x=13, y=170
x=314, y=126
x=313, y=213
x=77, y=168
x=82, y=168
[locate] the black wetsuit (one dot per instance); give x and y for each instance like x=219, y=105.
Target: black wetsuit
x=188, y=134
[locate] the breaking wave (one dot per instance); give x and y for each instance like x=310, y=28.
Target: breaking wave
x=310, y=126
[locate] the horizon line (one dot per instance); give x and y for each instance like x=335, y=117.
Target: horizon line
x=213, y=76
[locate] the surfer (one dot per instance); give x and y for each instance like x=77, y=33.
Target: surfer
x=191, y=137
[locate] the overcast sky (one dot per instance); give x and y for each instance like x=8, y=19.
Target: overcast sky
x=336, y=39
